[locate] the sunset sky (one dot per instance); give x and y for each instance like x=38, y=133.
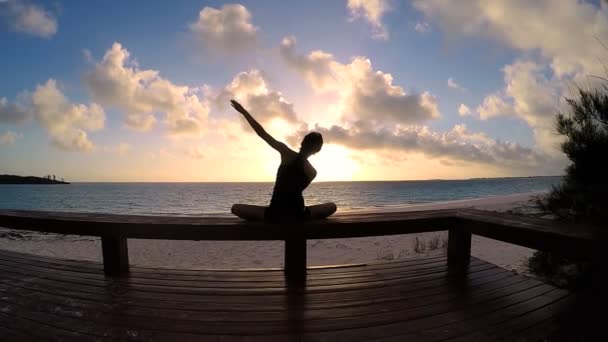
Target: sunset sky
x=421, y=89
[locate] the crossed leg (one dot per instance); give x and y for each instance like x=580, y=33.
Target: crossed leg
x=249, y=212
x=256, y=212
x=321, y=211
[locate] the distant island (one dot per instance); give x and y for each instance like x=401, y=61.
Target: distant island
x=13, y=179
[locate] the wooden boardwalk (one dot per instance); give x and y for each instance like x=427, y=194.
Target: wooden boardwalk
x=56, y=299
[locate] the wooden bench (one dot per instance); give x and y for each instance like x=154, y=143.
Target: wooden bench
x=114, y=230
x=434, y=298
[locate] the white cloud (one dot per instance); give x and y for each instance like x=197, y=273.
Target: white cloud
x=364, y=93
x=454, y=85
x=564, y=31
x=464, y=110
x=225, y=30
x=372, y=11
x=65, y=122
x=422, y=27
x=458, y=144
x=14, y=112
x=251, y=90
x=117, y=82
x=530, y=96
x=9, y=138
x=494, y=105
x=560, y=39
x=30, y=18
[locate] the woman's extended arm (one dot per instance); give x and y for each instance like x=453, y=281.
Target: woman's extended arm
x=277, y=145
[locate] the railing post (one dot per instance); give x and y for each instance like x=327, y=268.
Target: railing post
x=459, y=248
x=115, y=255
x=295, y=260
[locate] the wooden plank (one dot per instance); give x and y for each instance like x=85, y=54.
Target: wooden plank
x=260, y=311
x=505, y=319
x=372, y=270
x=571, y=240
x=266, y=273
x=219, y=324
x=420, y=300
x=528, y=320
x=39, y=331
x=420, y=295
x=295, y=260
x=115, y=255
x=216, y=288
x=110, y=293
x=211, y=228
x=459, y=248
x=240, y=282
x=567, y=239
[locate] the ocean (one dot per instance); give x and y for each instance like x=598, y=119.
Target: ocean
x=217, y=198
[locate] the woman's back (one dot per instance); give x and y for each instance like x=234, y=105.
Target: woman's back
x=287, y=201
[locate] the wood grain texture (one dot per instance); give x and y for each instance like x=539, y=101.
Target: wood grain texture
x=417, y=299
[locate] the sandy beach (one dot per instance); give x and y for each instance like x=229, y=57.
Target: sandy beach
x=253, y=254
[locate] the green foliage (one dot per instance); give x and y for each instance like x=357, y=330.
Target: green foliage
x=582, y=195
x=556, y=269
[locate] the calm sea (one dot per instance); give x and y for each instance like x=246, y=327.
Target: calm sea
x=217, y=198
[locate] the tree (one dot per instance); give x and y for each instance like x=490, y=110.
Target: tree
x=582, y=195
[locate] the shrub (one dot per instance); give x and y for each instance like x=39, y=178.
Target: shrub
x=581, y=195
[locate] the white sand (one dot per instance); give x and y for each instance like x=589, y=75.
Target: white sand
x=246, y=254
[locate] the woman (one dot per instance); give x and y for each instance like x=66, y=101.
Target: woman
x=294, y=175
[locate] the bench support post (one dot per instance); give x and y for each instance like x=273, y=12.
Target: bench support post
x=115, y=255
x=459, y=249
x=295, y=260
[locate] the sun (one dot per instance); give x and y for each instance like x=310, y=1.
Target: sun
x=334, y=163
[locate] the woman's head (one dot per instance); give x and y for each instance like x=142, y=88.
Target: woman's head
x=312, y=143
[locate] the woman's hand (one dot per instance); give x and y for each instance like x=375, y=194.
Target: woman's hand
x=238, y=107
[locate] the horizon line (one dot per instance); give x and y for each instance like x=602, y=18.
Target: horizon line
x=329, y=181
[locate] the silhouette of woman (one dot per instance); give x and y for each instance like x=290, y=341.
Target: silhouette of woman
x=294, y=175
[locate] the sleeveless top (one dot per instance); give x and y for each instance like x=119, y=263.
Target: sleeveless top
x=287, y=203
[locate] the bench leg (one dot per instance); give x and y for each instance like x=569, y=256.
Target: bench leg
x=295, y=260
x=459, y=249
x=115, y=255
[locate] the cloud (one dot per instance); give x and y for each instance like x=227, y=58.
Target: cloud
x=251, y=90
x=463, y=110
x=457, y=144
x=530, y=96
x=67, y=123
x=226, y=30
x=452, y=84
x=118, y=82
x=195, y=152
x=564, y=31
x=372, y=11
x=9, y=138
x=422, y=27
x=30, y=18
x=561, y=42
x=14, y=112
x=122, y=149
x=364, y=93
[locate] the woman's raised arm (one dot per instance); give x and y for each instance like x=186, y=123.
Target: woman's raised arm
x=259, y=130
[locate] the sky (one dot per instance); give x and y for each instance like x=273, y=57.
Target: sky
x=424, y=89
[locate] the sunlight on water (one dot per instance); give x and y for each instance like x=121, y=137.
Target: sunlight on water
x=217, y=198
